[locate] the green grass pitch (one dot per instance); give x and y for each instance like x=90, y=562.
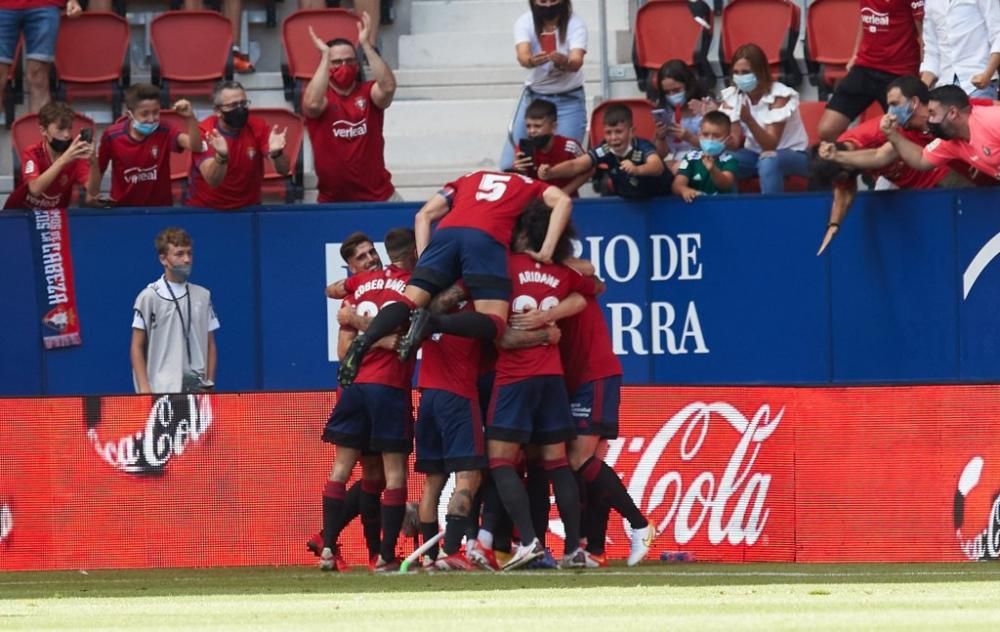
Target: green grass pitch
x=649, y=597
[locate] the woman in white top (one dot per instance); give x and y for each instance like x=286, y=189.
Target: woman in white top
x=551, y=42
x=770, y=141
x=685, y=100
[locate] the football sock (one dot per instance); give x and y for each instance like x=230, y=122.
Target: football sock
x=472, y=526
x=466, y=324
x=333, y=508
x=370, y=508
x=567, y=499
x=454, y=530
x=393, y=511
x=514, y=497
x=537, y=485
x=427, y=531
x=599, y=511
x=618, y=497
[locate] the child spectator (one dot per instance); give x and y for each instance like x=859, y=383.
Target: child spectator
x=634, y=169
x=543, y=146
x=711, y=169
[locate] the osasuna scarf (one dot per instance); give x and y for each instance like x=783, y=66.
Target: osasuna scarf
x=54, y=278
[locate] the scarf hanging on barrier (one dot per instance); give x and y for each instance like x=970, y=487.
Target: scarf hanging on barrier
x=54, y=278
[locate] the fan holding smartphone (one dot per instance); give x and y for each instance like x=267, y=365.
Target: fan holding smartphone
x=681, y=102
x=550, y=42
x=542, y=146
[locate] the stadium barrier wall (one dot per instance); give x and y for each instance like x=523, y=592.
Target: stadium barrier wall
x=738, y=474
x=721, y=291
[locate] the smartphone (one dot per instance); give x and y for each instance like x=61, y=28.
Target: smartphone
x=87, y=135
x=526, y=146
x=548, y=42
x=663, y=116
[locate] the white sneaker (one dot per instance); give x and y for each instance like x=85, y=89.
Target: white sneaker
x=326, y=561
x=576, y=559
x=642, y=540
x=525, y=554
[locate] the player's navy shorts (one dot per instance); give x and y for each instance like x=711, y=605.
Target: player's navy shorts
x=484, y=384
x=594, y=406
x=449, y=433
x=534, y=410
x=469, y=254
x=372, y=418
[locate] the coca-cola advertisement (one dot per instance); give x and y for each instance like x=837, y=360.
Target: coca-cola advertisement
x=725, y=474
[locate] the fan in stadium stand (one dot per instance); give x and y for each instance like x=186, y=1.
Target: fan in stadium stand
x=701, y=12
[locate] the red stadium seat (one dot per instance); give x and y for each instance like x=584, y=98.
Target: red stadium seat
x=811, y=112
x=300, y=52
x=771, y=24
x=180, y=163
x=831, y=32
x=275, y=183
x=664, y=30
x=25, y=132
x=13, y=92
x=642, y=119
x=192, y=51
x=92, y=58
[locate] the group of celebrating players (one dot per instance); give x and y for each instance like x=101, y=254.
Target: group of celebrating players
x=512, y=335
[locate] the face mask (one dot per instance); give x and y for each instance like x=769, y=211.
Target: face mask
x=181, y=272
x=550, y=12
x=902, y=113
x=745, y=83
x=59, y=146
x=236, y=118
x=711, y=146
x=144, y=129
x=542, y=140
x=938, y=131
x=677, y=99
x=343, y=76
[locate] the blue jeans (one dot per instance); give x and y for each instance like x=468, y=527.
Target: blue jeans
x=40, y=27
x=571, y=109
x=773, y=168
x=989, y=92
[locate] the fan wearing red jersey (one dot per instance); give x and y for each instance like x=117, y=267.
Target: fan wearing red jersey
x=529, y=402
x=866, y=147
x=476, y=216
x=889, y=45
x=344, y=117
x=230, y=173
x=542, y=146
x=374, y=413
x=138, y=148
x=51, y=168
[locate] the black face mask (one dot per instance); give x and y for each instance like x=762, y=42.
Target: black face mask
x=236, y=118
x=937, y=130
x=542, y=141
x=550, y=12
x=59, y=146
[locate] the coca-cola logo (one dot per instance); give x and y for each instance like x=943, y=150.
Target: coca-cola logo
x=173, y=425
x=984, y=544
x=732, y=504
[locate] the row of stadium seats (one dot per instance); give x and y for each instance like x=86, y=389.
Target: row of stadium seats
x=664, y=30
x=92, y=60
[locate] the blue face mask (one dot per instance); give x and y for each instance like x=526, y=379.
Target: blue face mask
x=711, y=146
x=745, y=83
x=145, y=129
x=903, y=113
x=677, y=99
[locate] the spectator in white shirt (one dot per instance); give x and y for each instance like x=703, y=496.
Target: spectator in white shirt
x=962, y=45
x=550, y=41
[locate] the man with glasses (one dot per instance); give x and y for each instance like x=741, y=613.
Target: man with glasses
x=229, y=173
x=344, y=117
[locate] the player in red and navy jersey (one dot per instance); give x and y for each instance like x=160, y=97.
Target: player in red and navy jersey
x=230, y=173
x=529, y=403
x=51, y=168
x=374, y=413
x=476, y=216
x=138, y=148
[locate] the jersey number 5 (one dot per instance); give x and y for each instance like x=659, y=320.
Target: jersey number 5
x=492, y=187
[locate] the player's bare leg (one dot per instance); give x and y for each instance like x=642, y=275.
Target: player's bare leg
x=334, y=494
x=429, y=499
x=390, y=318
x=502, y=455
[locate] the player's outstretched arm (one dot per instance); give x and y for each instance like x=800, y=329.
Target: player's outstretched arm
x=435, y=208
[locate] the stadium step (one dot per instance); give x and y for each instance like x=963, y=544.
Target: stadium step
x=444, y=16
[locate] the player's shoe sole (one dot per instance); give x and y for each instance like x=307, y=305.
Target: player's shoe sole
x=642, y=541
x=525, y=554
x=351, y=361
x=420, y=325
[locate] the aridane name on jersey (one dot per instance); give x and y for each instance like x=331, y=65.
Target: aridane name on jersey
x=534, y=276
